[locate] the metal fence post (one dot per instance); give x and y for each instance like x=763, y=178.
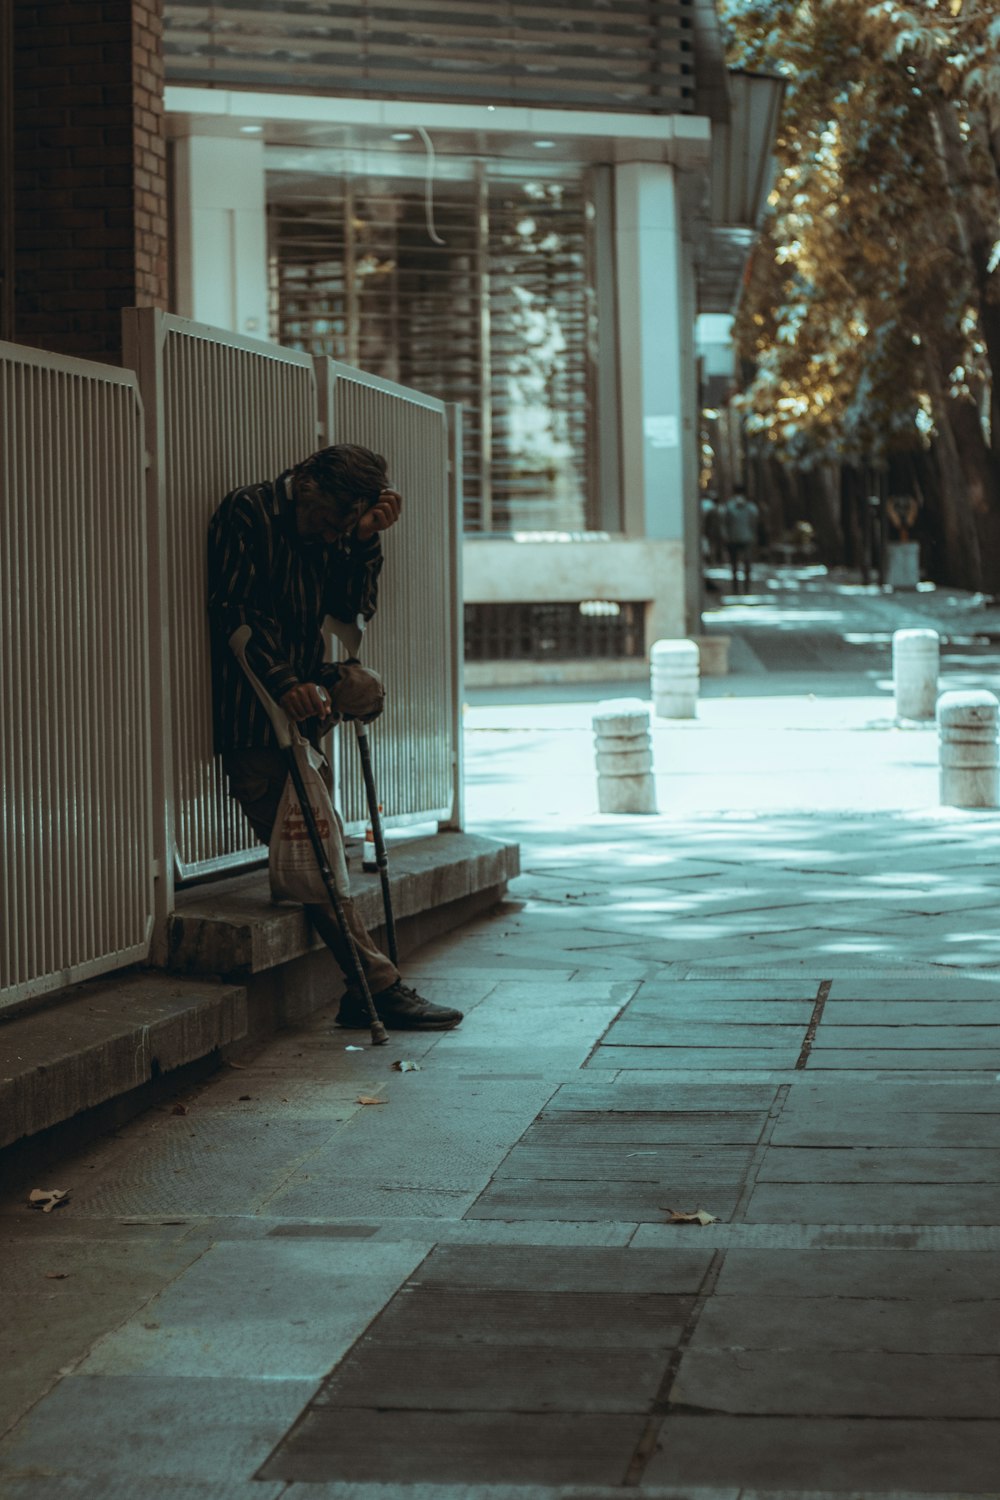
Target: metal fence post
x=143, y=337
x=456, y=821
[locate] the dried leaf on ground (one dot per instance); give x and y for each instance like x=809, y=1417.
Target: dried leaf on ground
x=47, y=1198
x=242, y=1067
x=179, y=1109
x=56, y=1275
x=697, y=1216
x=369, y=1099
x=402, y=1066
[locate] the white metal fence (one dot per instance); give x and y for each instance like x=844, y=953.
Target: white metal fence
x=107, y=482
x=414, y=640
x=221, y=411
x=76, y=860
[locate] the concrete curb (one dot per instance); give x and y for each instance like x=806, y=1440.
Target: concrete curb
x=234, y=930
x=243, y=967
x=104, y=1038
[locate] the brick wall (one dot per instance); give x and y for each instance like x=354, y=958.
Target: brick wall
x=90, y=208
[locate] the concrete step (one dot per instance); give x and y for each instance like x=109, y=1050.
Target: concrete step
x=232, y=928
x=241, y=967
x=101, y=1039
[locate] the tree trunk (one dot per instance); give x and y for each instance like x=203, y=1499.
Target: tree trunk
x=982, y=486
x=975, y=199
x=918, y=474
x=819, y=489
x=959, y=525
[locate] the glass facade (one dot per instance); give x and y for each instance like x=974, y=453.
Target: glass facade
x=480, y=292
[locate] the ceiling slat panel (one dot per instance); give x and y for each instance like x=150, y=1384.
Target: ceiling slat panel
x=632, y=56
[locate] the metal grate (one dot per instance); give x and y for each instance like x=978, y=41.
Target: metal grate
x=499, y=318
x=76, y=842
x=554, y=632
x=629, y=55
x=412, y=639
x=358, y=279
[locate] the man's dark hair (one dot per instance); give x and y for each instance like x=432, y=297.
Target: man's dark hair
x=345, y=474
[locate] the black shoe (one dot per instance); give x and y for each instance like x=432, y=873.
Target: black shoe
x=399, y=1008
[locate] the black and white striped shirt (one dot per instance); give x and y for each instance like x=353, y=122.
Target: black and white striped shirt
x=261, y=574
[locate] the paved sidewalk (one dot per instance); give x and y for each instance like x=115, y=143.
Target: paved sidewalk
x=777, y=1002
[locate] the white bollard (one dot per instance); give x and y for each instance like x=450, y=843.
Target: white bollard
x=916, y=660
x=674, y=671
x=624, y=757
x=968, y=749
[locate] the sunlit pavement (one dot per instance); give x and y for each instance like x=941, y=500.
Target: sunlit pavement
x=776, y=1001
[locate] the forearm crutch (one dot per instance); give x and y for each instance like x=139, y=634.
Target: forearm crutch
x=282, y=728
x=350, y=638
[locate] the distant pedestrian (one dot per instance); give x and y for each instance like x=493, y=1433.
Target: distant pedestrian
x=740, y=523
x=712, y=511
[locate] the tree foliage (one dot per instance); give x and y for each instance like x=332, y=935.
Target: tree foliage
x=872, y=312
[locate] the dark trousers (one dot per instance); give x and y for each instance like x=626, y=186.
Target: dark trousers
x=257, y=779
x=740, y=559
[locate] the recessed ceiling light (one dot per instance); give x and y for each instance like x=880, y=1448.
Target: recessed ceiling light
x=251, y=129
x=401, y=135
x=544, y=145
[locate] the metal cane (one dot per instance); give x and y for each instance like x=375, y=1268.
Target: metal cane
x=280, y=723
x=350, y=638
x=378, y=837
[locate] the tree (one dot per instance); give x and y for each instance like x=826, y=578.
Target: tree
x=872, y=313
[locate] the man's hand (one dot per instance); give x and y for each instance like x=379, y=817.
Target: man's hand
x=307, y=700
x=383, y=514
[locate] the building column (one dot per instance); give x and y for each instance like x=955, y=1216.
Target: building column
x=655, y=304
x=694, y=562
x=220, y=244
x=84, y=125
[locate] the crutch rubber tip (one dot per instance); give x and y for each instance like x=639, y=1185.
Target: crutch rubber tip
x=379, y=1034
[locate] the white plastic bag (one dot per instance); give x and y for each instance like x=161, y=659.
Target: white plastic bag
x=292, y=862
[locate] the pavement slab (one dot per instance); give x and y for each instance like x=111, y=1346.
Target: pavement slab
x=160, y=1427
x=913, y=1014
x=660, y=1095
x=964, y=1277
x=633, y=1031
x=928, y=1325
x=762, y=1058
x=594, y=1269
x=694, y=1008
x=961, y=1163
x=636, y=1129
x=311, y=1301
x=624, y=1162
x=403, y=1447
x=853, y=1455
x=538, y=1378
x=881, y=1203
x=715, y=1188
x=832, y=1383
